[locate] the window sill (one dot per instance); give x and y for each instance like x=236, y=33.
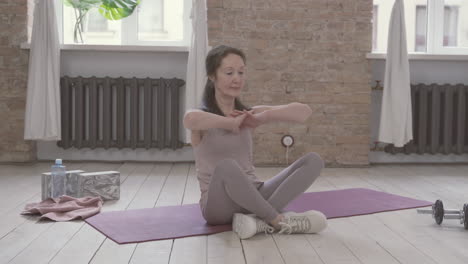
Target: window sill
x=118, y=48
x=415, y=56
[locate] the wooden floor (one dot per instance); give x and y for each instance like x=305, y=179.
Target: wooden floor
x=394, y=237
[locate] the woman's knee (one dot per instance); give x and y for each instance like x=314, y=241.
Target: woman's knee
x=314, y=160
x=312, y=166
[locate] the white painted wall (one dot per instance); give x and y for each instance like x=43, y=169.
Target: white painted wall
x=125, y=64
x=427, y=71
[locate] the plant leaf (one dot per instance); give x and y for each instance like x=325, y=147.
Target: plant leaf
x=117, y=9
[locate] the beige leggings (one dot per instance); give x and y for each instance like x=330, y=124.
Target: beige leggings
x=230, y=191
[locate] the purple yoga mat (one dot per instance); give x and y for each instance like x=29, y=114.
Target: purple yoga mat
x=170, y=222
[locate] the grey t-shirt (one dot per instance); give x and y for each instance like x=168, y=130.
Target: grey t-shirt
x=218, y=144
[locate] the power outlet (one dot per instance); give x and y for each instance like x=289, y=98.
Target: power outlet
x=287, y=141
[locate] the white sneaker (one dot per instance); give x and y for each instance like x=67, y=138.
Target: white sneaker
x=303, y=223
x=247, y=226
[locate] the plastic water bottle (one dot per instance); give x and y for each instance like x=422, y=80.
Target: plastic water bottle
x=58, y=177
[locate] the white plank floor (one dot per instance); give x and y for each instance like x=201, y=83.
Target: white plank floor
x=392, y=237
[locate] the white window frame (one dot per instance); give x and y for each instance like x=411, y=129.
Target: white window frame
x=435, y=31
x=130, y=30
x=436, y=10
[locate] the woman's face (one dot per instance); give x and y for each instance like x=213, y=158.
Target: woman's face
x=230, y=76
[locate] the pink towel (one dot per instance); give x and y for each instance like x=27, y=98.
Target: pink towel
x=65, y=208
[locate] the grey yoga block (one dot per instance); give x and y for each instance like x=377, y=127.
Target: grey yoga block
x=104, y=183
x=80, y=184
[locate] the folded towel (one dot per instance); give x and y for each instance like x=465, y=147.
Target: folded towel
x=65, y=208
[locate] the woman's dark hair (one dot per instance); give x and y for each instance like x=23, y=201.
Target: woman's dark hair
x=212, y=63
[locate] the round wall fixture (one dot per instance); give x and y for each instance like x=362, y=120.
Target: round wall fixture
x=287, y=141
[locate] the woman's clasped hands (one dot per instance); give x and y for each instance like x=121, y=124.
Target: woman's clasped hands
x=246, y=119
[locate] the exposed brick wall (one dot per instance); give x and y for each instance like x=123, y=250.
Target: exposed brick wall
x=309, y=51
x=13, y=81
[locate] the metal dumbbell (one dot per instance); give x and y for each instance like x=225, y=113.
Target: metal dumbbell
x=440, y=214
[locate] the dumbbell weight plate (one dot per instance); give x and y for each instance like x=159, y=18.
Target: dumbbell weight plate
x=438, y=208
x=465, y=210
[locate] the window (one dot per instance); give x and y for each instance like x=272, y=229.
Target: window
x=96, y=22
x=153, y=23
x=450, y=26
x=421, y=29
x=432, y=26
x=151, y=11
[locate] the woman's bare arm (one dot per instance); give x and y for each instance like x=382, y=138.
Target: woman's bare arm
x=293, y=112
x=200, y=120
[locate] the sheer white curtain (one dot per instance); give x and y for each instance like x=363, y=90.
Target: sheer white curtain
x=196, y=74
x=42, y=117
x=395, y=120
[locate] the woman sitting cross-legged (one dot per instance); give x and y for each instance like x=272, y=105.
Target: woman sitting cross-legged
x=221, y=134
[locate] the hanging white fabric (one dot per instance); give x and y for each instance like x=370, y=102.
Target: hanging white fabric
x=196, y=73
x=396, y=120
x=42, y=117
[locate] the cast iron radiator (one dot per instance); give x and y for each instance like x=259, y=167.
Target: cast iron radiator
x=120, y=112
x=440, y=118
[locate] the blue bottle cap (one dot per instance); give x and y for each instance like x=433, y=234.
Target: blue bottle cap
x=58, y=162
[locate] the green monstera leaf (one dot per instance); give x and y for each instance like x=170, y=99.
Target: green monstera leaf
x=117, y=9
